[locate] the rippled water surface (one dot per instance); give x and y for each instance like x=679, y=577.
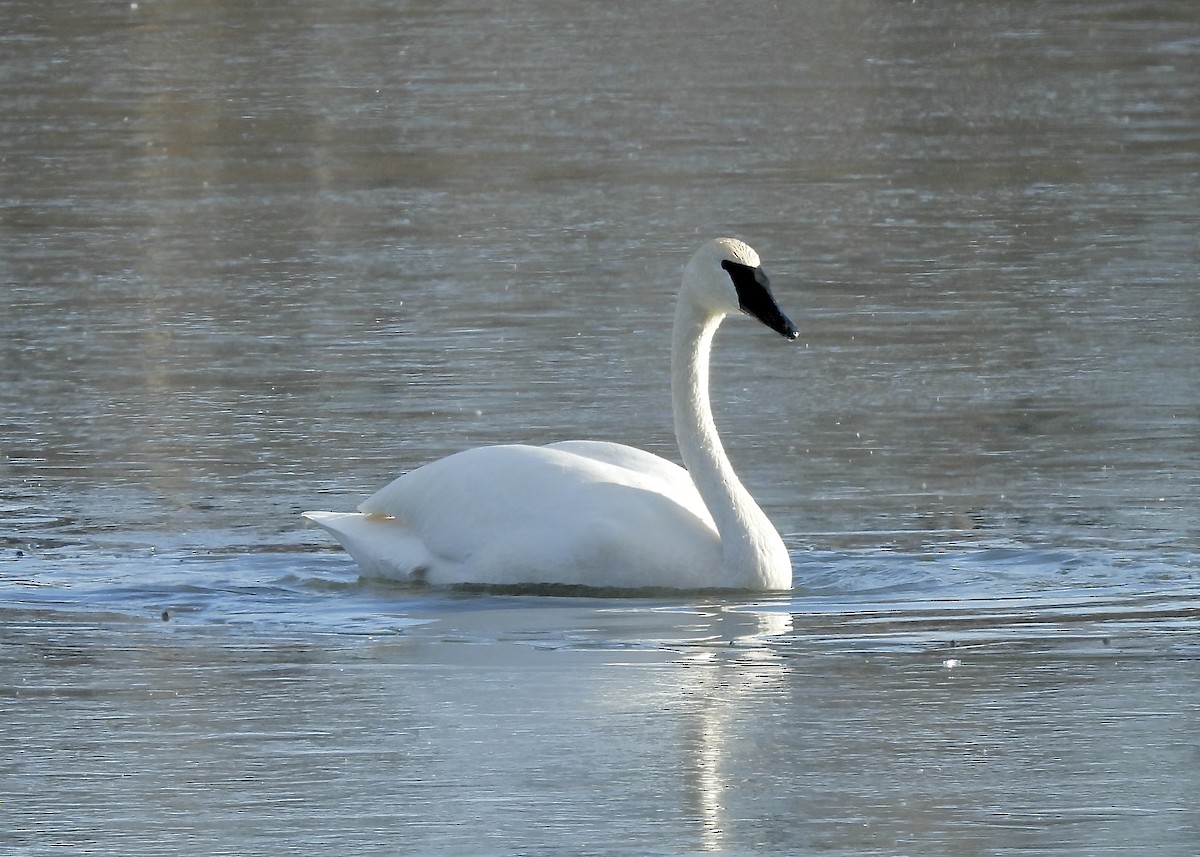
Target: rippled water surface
x=260, y=258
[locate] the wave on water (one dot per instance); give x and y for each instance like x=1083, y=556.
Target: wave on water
x=842, y=601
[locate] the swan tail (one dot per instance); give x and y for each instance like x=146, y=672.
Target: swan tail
x=381, y=545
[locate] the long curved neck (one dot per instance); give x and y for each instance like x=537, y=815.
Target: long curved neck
x=749, y=543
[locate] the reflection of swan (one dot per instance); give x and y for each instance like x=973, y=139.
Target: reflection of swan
x=730, y=684
x=587, y=512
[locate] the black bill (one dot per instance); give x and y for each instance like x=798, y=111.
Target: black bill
x=755, y=298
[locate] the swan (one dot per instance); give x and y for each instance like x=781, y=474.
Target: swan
x=593, y=513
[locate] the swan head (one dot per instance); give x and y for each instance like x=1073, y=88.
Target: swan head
x=726, y=276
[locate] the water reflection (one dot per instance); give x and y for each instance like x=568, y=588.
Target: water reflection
x=732, y=687
x=720, y=726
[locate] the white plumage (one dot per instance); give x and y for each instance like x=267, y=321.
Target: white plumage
x=591, y=513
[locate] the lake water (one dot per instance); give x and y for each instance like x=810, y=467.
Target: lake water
x=258, y=258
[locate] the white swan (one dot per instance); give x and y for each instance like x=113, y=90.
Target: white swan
x=591, y=513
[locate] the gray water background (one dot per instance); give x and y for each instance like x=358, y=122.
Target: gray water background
x=258, y=258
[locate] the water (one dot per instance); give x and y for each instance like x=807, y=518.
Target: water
x=259, y=258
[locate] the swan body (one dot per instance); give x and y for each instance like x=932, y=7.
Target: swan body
x=591, y=513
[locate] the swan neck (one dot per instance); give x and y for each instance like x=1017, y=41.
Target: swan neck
x=695, y=430
x=747, y=537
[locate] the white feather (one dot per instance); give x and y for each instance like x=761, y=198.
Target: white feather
x=586, y=513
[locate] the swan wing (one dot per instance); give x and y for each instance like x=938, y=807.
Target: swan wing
x=672, y=478
x=527, y=514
